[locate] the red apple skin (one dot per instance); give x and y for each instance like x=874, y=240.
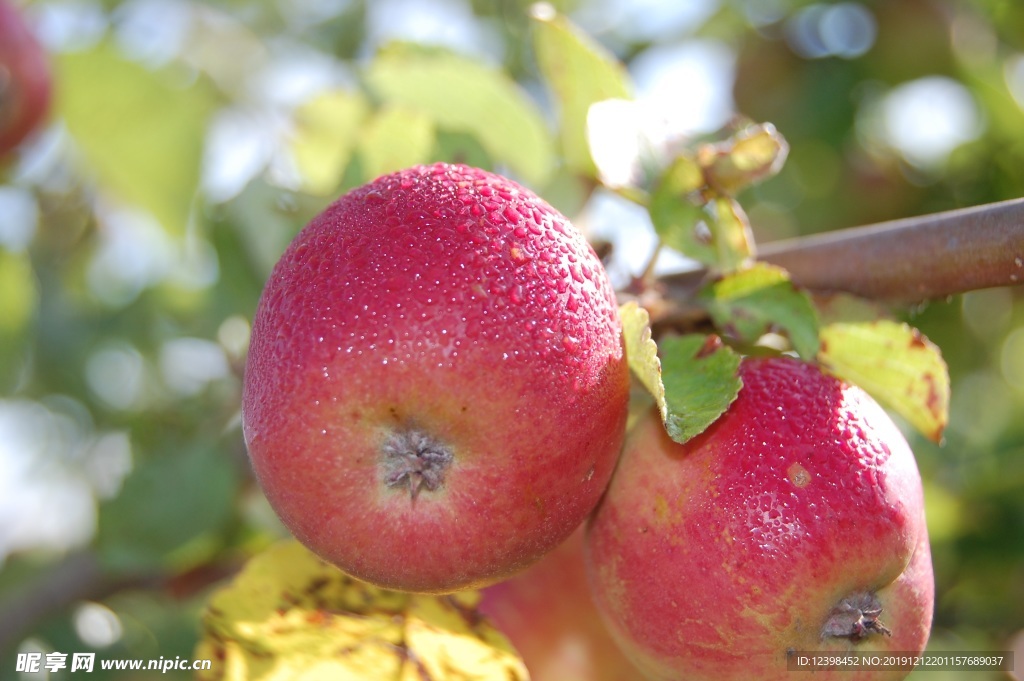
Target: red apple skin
x=549, y=616
x=25, y=80
x=438, y=309
x=713, y=559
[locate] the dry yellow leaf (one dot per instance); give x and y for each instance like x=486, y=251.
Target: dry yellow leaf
x=288, y=616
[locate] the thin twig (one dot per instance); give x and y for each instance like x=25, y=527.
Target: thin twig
x=81, y=577
x=77, y=577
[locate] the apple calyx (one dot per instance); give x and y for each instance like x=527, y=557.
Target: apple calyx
x=855, y=617
x=414, y=459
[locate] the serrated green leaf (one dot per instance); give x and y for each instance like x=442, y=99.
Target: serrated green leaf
x=750, y=156
x=463, y=95
x=749, y=303
x=579, y=72
x=395, y=138
x=327, y=128
x=167, y=510
x=642, y=352
x=694, y=381
x=289, y=615
x=141, y=133
x=897, y=365
x=699, y=375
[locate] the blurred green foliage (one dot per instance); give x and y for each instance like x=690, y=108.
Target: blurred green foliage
x=127, y=286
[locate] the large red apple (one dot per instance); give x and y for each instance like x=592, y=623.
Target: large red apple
x=794, y=523
x=436, y=391
x=549, y=616
x=25, y=80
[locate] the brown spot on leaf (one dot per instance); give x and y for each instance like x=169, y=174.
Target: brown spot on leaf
x=317, y=584
x=711, y=344
x=470, y=615
x=317, y=617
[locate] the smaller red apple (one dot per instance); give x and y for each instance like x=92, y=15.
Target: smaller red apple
x=549, y=616
x=794, y=523
x=25, y=80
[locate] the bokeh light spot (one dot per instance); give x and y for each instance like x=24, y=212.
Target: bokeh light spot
x=926, y=119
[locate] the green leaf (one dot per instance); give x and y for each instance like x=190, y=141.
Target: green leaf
x=462, y=146
x=683, y=178
x=699, y=375
x=750, y=156
x=677, y=211
x=692, y=384
x=642, y=352
x=579, y=72
x=692, y=205
x=749, y=303
x=19, y=302
x=730, y=233
x=140, y=131
x=290, y=615
x=20, y=295
x=168, y=512
x=395, y=138
x=845, y=307
x=895, y=364
x=265, y=219
x=717, y=233
x=326, y=130
x=463, y=95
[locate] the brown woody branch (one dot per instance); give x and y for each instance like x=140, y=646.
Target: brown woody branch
x=77, y=577
x=81, y=577
x=904, y=261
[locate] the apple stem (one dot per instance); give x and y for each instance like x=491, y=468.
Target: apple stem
x=414, y=459
x=855, y=617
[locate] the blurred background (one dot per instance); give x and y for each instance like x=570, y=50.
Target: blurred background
x=189, y=141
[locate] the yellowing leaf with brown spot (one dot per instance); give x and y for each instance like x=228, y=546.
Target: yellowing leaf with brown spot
x=896, y=364
x=288, y=615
